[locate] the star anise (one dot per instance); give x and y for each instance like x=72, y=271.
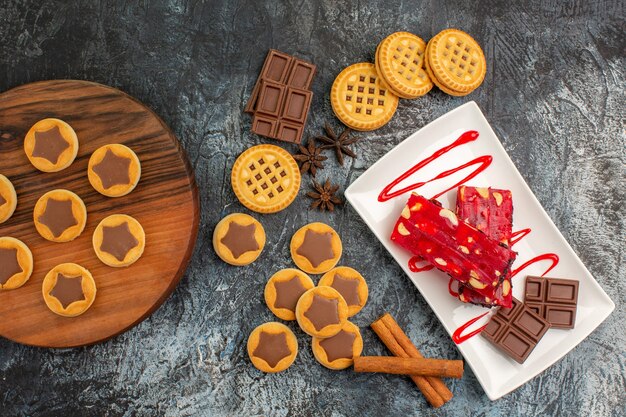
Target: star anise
x=324, y=197
x=339, y=143
x=310, y=158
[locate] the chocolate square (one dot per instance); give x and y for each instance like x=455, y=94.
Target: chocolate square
x=556, y=302
x=277, y=66
x=264, y=126
x=289, y=132
x=301, y=75
x=516, y=331
x=297, y=103
x=271, y=97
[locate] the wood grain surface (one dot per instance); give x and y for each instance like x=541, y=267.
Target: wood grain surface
x=165, y=202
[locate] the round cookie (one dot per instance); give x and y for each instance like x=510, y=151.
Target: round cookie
x=456, y=60
x=265, y=178
x=400, y=62
x=338, y=352
x=119, y=240
x=284, y=289
x=435, y=80
x=350, y=284
x=16, y=263
x=8, y=199
x=60, y=216
x=114, y=170
x=321, y=312
x=68, y=290
x=272, y=347
x=51, y=145
x=238, y=239
x=316, y=248
x=361, y=99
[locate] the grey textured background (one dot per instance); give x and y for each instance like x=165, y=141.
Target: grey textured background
x=554, y=93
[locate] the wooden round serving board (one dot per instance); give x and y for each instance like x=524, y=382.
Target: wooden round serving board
x=165, y=202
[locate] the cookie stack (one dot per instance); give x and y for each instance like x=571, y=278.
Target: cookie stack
x=365, y=96
x=321, y=311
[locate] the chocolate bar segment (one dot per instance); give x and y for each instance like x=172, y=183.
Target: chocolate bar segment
x=281, y=99
x=436, y=234
x=554, y=299
x=516, y=330
x=270, y=100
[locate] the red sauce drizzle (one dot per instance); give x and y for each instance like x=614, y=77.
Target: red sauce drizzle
x=520, y=234
x=453, y=292
x=458, y=338
x=546, y=256
x=413, y=265
x=469, y=136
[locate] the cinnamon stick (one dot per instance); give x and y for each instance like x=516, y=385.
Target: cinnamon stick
x=409, y=366
x=433, y=389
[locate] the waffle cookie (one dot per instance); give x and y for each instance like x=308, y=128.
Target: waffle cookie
x=238, y=239
x=350, y=284
x=361, y=99
x=60, y=216
x=68, y=290
x=114, y=170
x=338, y=352
x=400, y=62
x=455, y=62
x=51, y=145
x=119, y=240
x=316, y=248
x=8, y=199
x=284, y=289
x=272, y=347
x=16, y=263
x=265, y=178
x=321, y=312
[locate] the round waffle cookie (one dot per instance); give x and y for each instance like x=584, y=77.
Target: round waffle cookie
x=361, y=99
x=456, y=60
x=436, y=81
x=400, y=62
x=265, y=178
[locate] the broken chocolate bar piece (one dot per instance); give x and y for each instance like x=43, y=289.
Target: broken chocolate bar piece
x=488, y=209
x=554, y=299
x=516, y=331
x=436, y=234
x=281, y=99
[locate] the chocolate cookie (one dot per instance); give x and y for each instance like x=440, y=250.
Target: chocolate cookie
x=8, y=199
x=16, y=263
x=238, y=239
x=119, y=240
x=284, y=289
x=68, y=290
x=272, y=347
x=114, y=170
x=316, y=248
x=51, y=145
x=321, y=312
x=350, y=284
x=60, y=216
x=338, y=351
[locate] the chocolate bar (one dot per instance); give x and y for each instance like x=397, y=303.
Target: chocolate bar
x=554, y=299
x=281, y=99
x=436, y=234
x=490, y=211
x=516, y=331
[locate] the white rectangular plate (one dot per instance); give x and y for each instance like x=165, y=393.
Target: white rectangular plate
x=497, y=373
